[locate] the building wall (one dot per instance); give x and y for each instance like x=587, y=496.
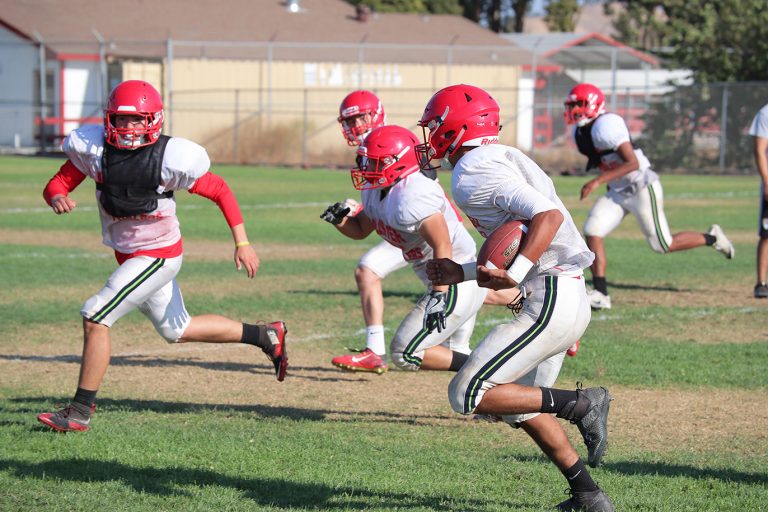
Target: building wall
x=250, y=111
x=18, y=61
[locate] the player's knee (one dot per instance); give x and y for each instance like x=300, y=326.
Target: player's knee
x=404, y=361
x=456, y=393
x=657, y=247
x=365, y=276
x=170, y=333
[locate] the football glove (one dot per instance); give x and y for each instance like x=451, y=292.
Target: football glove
x=434, y=312
x=335, y=213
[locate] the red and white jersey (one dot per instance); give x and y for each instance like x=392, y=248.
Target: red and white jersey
x=496, y=183
x=183, y=163
x=397, y=215
x=609, y=131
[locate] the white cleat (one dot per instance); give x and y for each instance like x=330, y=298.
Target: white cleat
x=598, y=300
x=722, y=244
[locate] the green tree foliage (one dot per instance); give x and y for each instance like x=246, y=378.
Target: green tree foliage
x=640, y=23
x=721, y=43
x=561, y=15
x=412, y=6
x=497, y=15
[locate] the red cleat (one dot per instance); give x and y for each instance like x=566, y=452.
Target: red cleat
x=278, y=353
x=68, y=419
x=365, y=361
x=574, y=348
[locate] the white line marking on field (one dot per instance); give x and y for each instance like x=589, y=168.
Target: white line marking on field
x=182, y=207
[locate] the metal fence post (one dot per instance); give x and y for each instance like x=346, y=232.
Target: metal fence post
x=169, y=82
x=723, y=128
x=305, y=131
x=43, y=96
x=236, y=130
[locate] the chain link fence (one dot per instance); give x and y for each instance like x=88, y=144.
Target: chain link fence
x=276, y=103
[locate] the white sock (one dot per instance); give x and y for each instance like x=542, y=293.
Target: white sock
x=375, y=339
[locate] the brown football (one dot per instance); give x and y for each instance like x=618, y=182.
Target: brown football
x=501, y=247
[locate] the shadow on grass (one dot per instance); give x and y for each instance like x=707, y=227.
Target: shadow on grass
x=274, y=492
x=633, y=468
x=294, y=372
x=36, y=405
x=355, y=293
x=646, y=287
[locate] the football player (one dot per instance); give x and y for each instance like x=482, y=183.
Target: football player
x=411, y=212
x=137, y=171
x=359, y=113
x=511, y=371
x=632, y=187
x=759, y=130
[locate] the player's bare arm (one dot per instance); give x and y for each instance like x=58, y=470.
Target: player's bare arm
x=444, y=271
x=541, y=232
x=357, y=227
x=435, y=232
x=761, y=146
x=245, y=255
x=627, y=153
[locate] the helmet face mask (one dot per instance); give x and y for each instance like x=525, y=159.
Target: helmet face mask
x=134, y=115
x=584, y=104
x=360, y=113
x=386, y=156
x=456, y=116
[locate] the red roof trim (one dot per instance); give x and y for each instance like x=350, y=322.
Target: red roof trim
x=609, y=41
x=17, y=31
x=543, y=69
x=77, y=56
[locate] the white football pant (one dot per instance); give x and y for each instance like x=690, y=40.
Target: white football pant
x=528, y=350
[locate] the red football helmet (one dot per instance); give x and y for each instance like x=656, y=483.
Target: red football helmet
x=134, y=98
x=459, y=115
x=585, y=102
x=387, y=155
x=359, y=113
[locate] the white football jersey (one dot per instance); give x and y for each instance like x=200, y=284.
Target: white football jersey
x=183, y=163
x=759, y=126
x=609, y=131
x=496, y=183
x=397, y=215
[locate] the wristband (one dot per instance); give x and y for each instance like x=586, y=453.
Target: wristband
x=242, y=244
x=470, y=270
x=520, y=268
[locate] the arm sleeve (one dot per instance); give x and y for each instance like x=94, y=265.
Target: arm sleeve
x=63, y=182
x=521, y=200
x=214, y=187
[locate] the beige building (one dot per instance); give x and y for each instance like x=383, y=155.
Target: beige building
x=255, y=81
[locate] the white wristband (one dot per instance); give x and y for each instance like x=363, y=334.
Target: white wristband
x=520, y=268
x=470, y=270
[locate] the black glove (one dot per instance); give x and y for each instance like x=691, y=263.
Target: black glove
x=434, y=312
x=335, y=213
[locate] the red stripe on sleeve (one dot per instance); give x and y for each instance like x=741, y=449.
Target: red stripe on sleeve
x=63, y=182
x=214, y=187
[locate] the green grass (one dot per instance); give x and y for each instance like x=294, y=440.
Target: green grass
x=210, y=434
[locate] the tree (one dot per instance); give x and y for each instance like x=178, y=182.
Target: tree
x=640, y=23
x=497, y=15
x=561, y=15
x=413, y=6
x=721, y=43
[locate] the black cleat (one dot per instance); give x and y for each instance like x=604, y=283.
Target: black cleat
x=590, y=501
x=594, y=424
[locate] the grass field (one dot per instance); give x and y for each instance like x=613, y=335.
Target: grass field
x=684, y=351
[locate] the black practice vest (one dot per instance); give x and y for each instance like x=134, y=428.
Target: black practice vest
x=587, y=147
x=130, y=179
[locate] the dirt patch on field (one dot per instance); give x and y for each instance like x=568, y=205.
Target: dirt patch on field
x=162, y=378
x=193, y=249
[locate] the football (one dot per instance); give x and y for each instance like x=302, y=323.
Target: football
x=501, y=247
